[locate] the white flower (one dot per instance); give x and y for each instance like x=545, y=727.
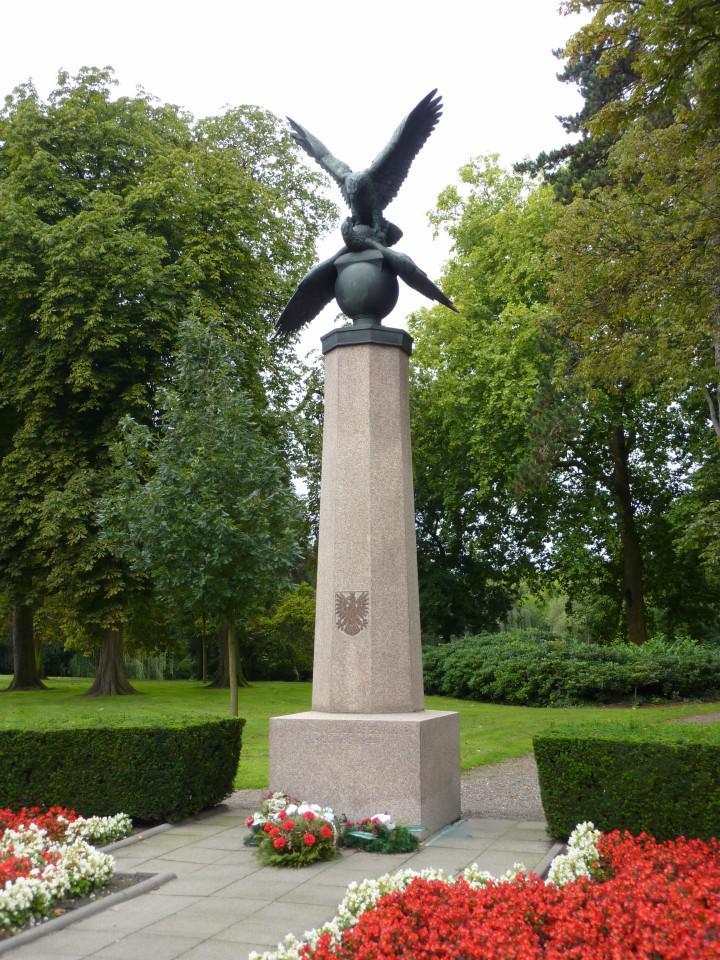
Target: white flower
x=475, y=877
x=99, y=830
x=581, y=855
x=291, y=808
x=385, y=820
x=75, y=869
x=274, y=804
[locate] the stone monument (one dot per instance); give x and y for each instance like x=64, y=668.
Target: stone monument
x=368, y=746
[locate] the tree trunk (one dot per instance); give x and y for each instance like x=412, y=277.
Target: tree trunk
x=233, y=668
x=37, y=643
x=26, y=675
x=633, y=591
x=203, y=650
x=110, y=677
x=712, y=394
x=222, y=677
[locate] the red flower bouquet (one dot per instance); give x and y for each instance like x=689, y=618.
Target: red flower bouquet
x=291, y=834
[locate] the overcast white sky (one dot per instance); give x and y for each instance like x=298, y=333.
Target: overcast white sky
x=348, y=70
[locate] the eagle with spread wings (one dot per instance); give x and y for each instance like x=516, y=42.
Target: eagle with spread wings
x=367, y=192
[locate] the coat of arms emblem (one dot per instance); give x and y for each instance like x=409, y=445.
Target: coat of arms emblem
x=352, y=610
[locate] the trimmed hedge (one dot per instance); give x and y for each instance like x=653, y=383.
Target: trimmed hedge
x=526, y=668
x=664, y=780
x=150, y=773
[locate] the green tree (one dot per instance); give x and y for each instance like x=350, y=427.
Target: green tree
x=117, y=217
x=307, y=431
x=204, y=504
x=638, y=261
x=674, y=48
x=581, y=164
x=545, y=468
x=477, y=378
x=281, y=641
x=647, y=243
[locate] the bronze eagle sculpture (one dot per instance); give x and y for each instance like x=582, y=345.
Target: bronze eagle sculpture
x=367, y=192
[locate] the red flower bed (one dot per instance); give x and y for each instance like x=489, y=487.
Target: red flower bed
x=45, y=819
x=12, y=868
x=652, y=901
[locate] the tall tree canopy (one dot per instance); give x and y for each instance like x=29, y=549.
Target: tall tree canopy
x=638, y=260
x=673, y=47
x=528, y=458
x=477, y=377
x=118, y=216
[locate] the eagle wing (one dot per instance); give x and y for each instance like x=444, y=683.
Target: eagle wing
x=314, y=292
x=389, y=169
x=337, y=169
x=416, y=278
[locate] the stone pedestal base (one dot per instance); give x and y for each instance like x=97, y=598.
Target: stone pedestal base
x=404, y=764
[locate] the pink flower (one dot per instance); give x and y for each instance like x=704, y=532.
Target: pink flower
x=288, y=824
x=309, y=815
x=279, y=843
x=309, y=839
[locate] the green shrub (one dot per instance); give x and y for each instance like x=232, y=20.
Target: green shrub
x=525, y=667
x=280, y=646
x=150, y=773
x=664, y=780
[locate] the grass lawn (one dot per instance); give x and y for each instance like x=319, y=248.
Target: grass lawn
x=488, y=732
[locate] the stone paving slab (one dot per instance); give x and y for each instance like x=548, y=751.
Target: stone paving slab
x=181, y=868
x=226, y=841
x=225, y=904
x=202, y=884
x=192, y=854
x=147, y=945
x=222, y=950
x=329, y=895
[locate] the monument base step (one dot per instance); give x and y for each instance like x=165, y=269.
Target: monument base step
x=360, y=764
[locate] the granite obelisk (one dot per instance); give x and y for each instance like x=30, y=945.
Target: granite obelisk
x=368, y=746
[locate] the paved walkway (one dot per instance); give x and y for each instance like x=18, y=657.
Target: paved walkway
x=225, y=904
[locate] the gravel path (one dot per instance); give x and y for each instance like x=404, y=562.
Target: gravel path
x=507, y=790
x=700, y=718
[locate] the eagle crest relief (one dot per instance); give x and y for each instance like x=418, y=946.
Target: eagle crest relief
x=352, y=611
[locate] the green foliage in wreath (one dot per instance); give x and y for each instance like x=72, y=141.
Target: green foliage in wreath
x=375, y=837
x=271, y=857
